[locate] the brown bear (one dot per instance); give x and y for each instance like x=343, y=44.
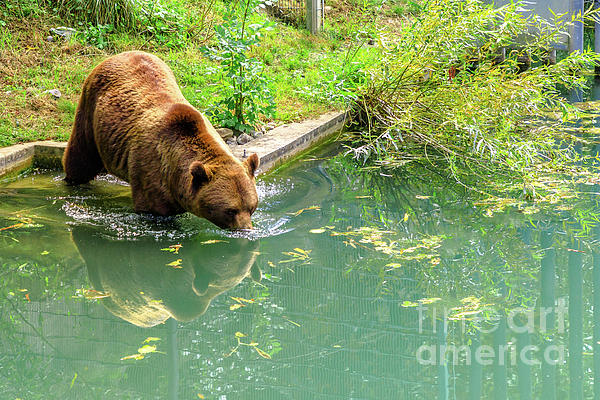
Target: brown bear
x=133, y=121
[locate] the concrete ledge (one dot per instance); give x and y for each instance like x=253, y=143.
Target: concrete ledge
x=48, y=154
x=15, y=158
x=273, y=148
x=284, y=142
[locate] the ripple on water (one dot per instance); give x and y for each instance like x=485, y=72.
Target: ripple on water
x=111, y=179
x=122, y=223
x=115, y=218
x=271, y=193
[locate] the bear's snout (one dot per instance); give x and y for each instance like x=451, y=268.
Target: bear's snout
x=243, y=221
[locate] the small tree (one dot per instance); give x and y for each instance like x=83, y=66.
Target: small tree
x=247, y=94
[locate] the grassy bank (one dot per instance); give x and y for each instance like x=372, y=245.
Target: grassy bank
x=302, y=71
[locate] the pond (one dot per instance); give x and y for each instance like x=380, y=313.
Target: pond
x=352, y=285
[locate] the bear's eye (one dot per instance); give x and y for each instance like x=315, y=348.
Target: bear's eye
x=231, y=212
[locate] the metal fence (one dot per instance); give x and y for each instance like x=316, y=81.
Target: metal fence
x=300, y=12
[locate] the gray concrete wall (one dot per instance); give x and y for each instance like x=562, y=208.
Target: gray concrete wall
x=542, y=8
x=274, y=148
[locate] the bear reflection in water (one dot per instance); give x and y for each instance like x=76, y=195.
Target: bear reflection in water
x=144, y=290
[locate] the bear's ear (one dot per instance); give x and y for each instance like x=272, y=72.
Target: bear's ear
x=252, y=163
x=184, y=120
x=201, y=174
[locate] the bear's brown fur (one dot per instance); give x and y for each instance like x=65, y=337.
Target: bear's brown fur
x=133, y=122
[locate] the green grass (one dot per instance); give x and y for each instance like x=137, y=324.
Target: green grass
x=302, y=69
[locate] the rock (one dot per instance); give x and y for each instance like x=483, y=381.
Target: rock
x=256, y=134
x=54, y=92
x=231, y=141
x=225, y=133
x=244, y=138
x=63, y=32
x=50, y=38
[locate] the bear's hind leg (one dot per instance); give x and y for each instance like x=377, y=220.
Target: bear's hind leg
x=81, y=160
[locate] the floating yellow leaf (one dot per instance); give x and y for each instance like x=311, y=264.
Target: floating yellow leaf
x=363, y=197
x=305, y=252
x=175, y=264
x=241, y=299
x=174, y=248
x=409, y=304
x=318, y=230
x=146, y=349
x=200, y=396
x=305, y=209
x=151, y=339
x=240, y=334
x=405, y=217
x=297, y=255
x=292, y=322
x=236, y=306
x=12, y=226
x=350, y=243
x=393, y=265
x=337, y=346
x=73, y=380
x=420, y=197
x=262, y=353
x=133, y=356
x=213, y=241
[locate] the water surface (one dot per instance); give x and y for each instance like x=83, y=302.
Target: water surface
x=351, y=285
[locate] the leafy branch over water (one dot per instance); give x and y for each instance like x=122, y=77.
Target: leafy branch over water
x=442, y=88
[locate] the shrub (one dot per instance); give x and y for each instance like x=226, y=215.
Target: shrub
x=246, y=93
x=165, y=25
x=441, y=86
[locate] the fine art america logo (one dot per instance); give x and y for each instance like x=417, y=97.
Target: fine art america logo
x=516, y=322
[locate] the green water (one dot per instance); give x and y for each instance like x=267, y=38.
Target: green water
x=358, y=269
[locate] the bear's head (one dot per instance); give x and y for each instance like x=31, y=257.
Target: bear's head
x=223, y=189
x=225, y=193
